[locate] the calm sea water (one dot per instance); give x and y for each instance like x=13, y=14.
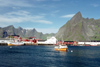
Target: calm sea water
x=46, y=56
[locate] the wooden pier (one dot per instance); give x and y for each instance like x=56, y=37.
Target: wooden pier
x=3, y=44
x=27, y=44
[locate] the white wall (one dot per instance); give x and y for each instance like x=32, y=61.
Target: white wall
x=51, y=40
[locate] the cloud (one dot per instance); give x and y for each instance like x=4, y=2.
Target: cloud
x=56, y=11
x=95, y=5
x=56, y=0
x=40, y=0
x=20, y=3
x=47, y=30
x=53, y=13
x=16, y=8
x=43, y=21
x=47, y=0
x=68, y=16
x=22, y=16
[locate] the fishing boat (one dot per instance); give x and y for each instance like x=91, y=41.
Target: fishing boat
x=15, y=43
x=60, y=47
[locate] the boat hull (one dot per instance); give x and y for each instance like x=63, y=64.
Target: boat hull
x=15, y=44
x=61, y=49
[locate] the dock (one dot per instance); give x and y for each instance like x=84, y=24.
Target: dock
x=3, y=44
x=28, y=44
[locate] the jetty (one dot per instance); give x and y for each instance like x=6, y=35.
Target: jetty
x=50, y=41
x=3, y=42
x=30, y=43
x=27, y=42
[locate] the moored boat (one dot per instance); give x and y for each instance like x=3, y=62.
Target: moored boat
x=15, y=43
x=61, y=47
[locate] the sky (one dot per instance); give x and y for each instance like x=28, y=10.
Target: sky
x=46, y=16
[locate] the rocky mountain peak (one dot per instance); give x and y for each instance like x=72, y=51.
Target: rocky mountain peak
x=11, y=30
x=20, y=28
x=76, y=18
x=10, y=26
x=80, y=29
x=34, y=29
x=78, y=14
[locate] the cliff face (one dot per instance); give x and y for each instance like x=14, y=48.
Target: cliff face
x=80, y=29
x=11, y=30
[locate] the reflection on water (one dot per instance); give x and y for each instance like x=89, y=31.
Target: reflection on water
x=85, y=56
x=62, y=53
x=46, y=56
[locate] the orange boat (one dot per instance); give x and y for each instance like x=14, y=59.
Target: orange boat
x=60, y=47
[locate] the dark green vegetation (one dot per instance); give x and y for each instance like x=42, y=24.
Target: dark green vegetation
x=80, y=29
x=11, y=30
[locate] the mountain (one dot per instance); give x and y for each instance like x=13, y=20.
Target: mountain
x=11, y=30
x=80, y=29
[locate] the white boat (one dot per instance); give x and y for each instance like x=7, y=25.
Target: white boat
x=15, y=43
x=60, y=47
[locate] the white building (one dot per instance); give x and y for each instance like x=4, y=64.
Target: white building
x=51, y=40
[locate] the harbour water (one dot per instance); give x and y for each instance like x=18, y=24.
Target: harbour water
x=46, y=56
